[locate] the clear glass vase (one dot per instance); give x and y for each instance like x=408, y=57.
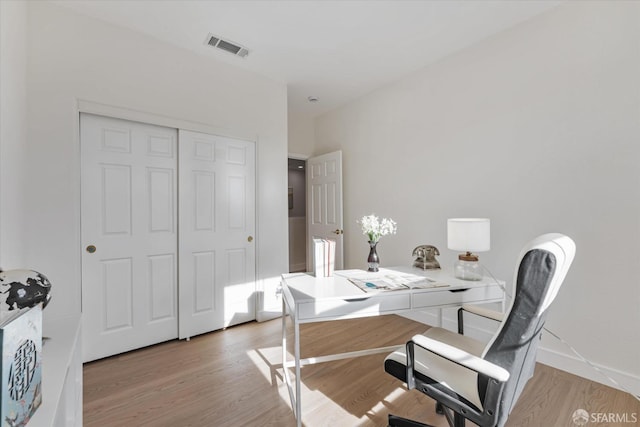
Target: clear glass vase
x=467, y=270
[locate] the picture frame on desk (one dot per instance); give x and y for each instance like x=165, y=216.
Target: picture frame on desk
x=21, y=367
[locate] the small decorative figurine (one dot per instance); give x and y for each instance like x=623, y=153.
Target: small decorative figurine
x=426, y=257
x=23, y=288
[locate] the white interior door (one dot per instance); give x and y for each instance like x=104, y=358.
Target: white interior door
x=129, y=235
x=217, y=230
x=324, y=203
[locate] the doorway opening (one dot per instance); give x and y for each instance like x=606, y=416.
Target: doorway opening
x=297, y=215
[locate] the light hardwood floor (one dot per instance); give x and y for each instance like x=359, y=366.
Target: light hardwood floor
x=234, y=378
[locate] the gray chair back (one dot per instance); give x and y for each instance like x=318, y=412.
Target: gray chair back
x=543, y=265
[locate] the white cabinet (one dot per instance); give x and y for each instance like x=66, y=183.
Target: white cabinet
x=61, y=375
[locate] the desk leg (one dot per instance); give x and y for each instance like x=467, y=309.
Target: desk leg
x=296, y=404
x=296, y=343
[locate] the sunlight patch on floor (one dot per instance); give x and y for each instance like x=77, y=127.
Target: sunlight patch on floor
x=380, y=406
x=268, y=361
x=318, y=409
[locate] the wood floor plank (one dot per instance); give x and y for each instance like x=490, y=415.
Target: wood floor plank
x=234, y=378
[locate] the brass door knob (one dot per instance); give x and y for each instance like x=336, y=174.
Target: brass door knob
x=91, y=249
x=337, y=231
x=250, y=239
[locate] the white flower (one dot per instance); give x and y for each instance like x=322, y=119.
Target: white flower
x=374, y=228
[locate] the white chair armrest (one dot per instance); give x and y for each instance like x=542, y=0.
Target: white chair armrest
x=484, y=312
x=462, y=358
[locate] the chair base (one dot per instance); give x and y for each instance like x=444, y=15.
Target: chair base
x=454, y=419
x=395, y=421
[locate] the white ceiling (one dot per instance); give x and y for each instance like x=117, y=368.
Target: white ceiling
x=335, y=50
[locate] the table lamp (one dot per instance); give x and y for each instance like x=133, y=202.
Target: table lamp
x=468, y=235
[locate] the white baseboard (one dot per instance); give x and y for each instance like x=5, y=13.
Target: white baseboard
x=301, y=266
x=626, y=382
x=264, y=315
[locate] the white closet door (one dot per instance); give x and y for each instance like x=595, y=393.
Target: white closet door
x=217, y=230
x=129, y=235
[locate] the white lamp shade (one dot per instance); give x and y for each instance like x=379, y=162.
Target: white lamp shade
x=469, y=234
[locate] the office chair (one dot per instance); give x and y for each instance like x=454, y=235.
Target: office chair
x=478, y=382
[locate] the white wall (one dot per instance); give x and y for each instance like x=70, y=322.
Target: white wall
x=13, y=131
x=537, y=128
x=301, y=134
x=75, y=58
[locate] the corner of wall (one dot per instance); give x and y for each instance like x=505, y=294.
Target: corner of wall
x=13, y=130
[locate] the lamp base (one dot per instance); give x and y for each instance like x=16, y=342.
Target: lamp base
x=467, y=270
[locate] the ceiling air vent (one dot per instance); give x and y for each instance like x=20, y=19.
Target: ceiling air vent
x=227, y=46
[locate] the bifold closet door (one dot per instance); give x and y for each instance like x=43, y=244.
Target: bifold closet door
x=129, y=235
x=217, y=230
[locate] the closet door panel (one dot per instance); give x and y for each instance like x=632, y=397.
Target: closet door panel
x=217, y=230
x=129, y=235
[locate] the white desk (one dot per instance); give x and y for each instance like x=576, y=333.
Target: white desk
x=308, y=299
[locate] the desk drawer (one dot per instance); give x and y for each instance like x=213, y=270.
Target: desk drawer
x=345, y=309
x=445, y=297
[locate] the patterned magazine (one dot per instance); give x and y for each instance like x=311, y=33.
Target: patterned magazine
x=392, y=282
x=21, y=369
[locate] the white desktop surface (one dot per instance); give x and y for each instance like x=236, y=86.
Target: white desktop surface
x=313, y=299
